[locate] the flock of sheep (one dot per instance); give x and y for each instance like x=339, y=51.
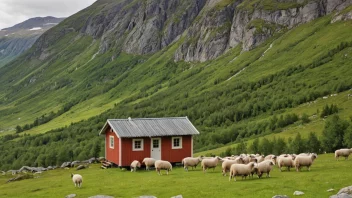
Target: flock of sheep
x=243, y=165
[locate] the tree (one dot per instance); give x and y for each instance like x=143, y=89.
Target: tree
x=333, y=133
x=313, y=143
x=298, y=144
x=305, y=118
x=347, y=141
x=254, y=147
x=266, y=147
x=279, y=147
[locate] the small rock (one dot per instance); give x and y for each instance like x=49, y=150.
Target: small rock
x=147, y=196
x=177, y=196
x=342, y=195
x=101, y=196
x=280, y=196
x=70, y=196
x=298, y=193
x=80, y=167
x=330, y=190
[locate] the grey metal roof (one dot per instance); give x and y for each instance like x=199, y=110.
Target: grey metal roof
x=151, y=127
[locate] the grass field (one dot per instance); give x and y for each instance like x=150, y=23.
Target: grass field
x=326, y=173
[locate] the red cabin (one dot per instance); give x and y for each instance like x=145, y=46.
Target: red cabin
x=169, y=139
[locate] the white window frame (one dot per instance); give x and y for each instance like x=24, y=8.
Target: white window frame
x=137, y=149
x=111, y=137
x=172, y=143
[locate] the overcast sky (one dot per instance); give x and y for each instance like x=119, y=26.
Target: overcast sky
x=13, y=12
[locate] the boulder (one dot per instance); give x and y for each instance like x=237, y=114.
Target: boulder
x=81, y=167
x=70, y=196
x=177, y=196
x=280, y=196
x=101, y=196
x=341, y=195
x=65, y=164
x=347, y=190
x=147, y=196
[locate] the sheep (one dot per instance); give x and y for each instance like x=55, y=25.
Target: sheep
x=304, y=161
x=134, y=165
x=285, y=161
x=160, y=164
x=148, y=162
x=191, y=161
x=241, y=170
x=248, y=159
x=210, y=163
x=342, y=152
x=226, y=165
x=77, y=180
x=271, y=157
x=264, y=167
x=259, y=158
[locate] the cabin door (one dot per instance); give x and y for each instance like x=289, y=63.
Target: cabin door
x=156, y=148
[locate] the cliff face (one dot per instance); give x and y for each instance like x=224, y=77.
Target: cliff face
x=208, y=27
x=17, y=39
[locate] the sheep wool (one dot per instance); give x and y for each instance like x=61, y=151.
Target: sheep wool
x=148, y=162
x=191, y=161
x=285, y=162
x=307, y=161
x=343, y=152
x=210, y=163
x=241, y=170
x=226, y=165
x=134, y=165
x=162, y=165
x=77, y=179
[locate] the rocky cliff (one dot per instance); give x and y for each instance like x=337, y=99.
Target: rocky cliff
x=208, y=27
x=17, y=39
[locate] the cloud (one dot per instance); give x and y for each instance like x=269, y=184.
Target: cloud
x=13, y=12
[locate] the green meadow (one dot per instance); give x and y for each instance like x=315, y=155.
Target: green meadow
x=326, y=173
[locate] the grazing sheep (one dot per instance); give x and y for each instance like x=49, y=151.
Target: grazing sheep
x=264, y=167
x=134, y=165
x=285, y=161
x=248, y=159
x=162, y=165
x=241, y=170
x=226, y=165
x=343, y=152
x=191, y=161
x=148, y=162
x=210, y=163
x=271, y=157
x=259, y=158
x=304, y=161
x=77, y=180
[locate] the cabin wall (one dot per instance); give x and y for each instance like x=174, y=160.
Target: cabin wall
x=112, y=154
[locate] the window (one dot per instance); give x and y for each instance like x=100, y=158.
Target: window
x=137, y=145
x=111, y=141
x=155, y=143
x=176, y=142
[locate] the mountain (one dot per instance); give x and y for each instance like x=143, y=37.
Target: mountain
x=233, y=67
x=17, y=39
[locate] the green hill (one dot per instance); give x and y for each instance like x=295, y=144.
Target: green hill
x=105, y=62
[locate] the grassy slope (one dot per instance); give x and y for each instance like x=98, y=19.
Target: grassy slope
x=326, y=173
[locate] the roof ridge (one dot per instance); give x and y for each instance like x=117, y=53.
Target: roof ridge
x=164, y=118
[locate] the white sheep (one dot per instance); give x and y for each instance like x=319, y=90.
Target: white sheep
x=148, y=162
x=264, y=167
x=307, y=161
x=241, y=170
x=162, y=165
x=226, y=165
x=134, y=165
x=77, y=179
x=191, y=161
x=271, y=157
x=286, y=161
x=210, y=163
x=342, y=152
x=248, y=159
x=259, y=158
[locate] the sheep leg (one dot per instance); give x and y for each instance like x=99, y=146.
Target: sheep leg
x=167, y=172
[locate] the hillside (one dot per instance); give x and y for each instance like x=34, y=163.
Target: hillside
x=17, y=39
x=230, y=66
